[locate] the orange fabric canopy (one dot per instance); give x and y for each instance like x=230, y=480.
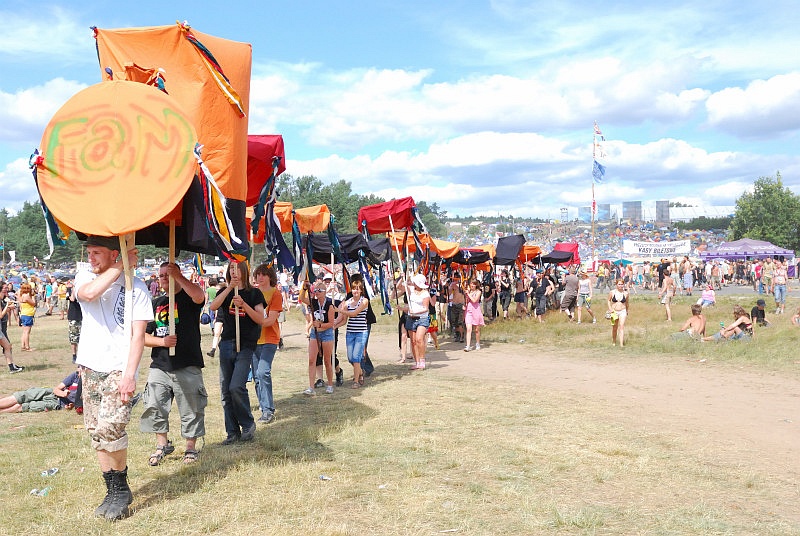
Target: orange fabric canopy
x=312, y=219
x=528, y=253
x=137, y=53
x=283, y=211
x=442, y=248
x=117, y=157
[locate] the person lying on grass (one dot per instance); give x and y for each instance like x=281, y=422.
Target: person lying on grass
x=35, y=399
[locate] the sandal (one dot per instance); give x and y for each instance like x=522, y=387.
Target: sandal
x=190, y=456
x=161, y=452
x=355, y=385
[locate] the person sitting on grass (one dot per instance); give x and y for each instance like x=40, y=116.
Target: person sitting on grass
x=740, y=329
x=695, y=325
x=35, y=399
x=759, y=314
x=707, y=298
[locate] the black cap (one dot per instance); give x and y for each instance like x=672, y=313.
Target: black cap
x=110, y=242
x=761, y=303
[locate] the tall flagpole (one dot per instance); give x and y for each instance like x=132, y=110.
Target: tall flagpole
x=594, y=204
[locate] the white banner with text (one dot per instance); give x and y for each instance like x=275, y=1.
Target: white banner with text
x=639, y=248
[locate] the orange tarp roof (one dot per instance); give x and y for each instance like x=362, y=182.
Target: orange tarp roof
x=528, y=253
x=443, y=248
x=130, y=52
x=283, y=211
x=312, y=219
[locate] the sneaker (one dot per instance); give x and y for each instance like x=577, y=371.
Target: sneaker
x=594, y=321
x=329, y=390
x=249, y=433
x=477, y=346
x=319, y=383
x=211, y=352
x=230, y=440
x=467, y=349
x=340, y=377
x=15, y=368
x=309, y=391
x=266, y=418
x=578, y=322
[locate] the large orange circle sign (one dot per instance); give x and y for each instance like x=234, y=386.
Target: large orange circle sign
x=117, y=157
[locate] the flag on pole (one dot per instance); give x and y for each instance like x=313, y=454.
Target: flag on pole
x=598, y=172
x=598, y=132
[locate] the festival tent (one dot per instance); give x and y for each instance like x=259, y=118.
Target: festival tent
x=350, y=247
x=210, y=78
x=442, y=248
x=746, y=247
x=570, y=247
x=557, y=257
x=388, y=216
x=508, y=249
x=528, y=253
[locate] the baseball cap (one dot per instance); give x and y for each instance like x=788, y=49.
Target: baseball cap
x=761, y=303
x=110, y=242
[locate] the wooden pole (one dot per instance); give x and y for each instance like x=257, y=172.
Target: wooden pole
x=171, y=291
x=236, y=308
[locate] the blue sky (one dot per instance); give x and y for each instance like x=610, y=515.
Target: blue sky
x=482, y=107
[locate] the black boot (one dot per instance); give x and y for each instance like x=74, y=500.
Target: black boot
x=100, y=511
x=121, y=496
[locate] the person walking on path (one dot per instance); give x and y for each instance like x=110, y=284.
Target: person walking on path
x=473, y=317
x=618, y=303
x=236, y=357
x=178, y=377
x=666, y=293
x=267, y=345
x=109, y=357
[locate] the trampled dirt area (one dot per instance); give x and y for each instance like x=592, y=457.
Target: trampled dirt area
x=724, y=413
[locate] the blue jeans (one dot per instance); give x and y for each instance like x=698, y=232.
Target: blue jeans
x=356, y=341
x=262, y=375
x=780, y=293
x=233, y=371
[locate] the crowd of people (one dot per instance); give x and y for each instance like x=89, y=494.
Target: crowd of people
x=245, y=313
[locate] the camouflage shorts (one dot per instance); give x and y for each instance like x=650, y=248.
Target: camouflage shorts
x=74, y=332
x=105, y=415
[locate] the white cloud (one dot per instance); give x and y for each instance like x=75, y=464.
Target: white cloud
x=25, y=114
x=51, y=32
x=763, y=109
x=16, y=185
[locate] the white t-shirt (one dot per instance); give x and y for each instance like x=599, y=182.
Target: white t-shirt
x=103, y=347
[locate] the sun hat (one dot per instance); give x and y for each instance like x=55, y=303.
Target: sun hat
x=420, y=281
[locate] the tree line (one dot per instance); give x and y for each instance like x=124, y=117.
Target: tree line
x=769, y=212
x=25, y=232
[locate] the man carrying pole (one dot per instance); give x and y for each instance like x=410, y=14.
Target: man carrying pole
x=109, y=361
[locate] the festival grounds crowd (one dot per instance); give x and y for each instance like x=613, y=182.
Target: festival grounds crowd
x=245, y=312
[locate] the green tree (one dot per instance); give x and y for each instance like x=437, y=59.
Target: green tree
x=770, y=212
x=433, y=217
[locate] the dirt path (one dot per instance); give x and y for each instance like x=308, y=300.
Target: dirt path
x=728, y=414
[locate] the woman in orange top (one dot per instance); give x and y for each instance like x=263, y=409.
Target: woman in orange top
x=267, y=281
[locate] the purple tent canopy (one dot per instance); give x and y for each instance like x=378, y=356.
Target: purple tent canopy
x=746, y=247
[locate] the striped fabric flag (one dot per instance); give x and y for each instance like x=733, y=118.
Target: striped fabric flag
x=219, y=222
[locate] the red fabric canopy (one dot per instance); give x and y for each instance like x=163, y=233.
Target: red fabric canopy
x=570, y=247
x=377, y=216
x=261, y=148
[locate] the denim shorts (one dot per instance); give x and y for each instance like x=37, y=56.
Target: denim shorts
x=326, y=335
x=25, y=321
x=413, y=322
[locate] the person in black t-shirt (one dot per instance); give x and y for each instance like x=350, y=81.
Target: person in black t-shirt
x=234, y=364
x=178, y=376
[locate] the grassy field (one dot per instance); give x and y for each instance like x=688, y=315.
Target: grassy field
x=409, y=454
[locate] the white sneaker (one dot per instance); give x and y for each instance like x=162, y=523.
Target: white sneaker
x=467, y=348
x=594, y=321
x=309, y=391
x=329, y=390
x=477, y=346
